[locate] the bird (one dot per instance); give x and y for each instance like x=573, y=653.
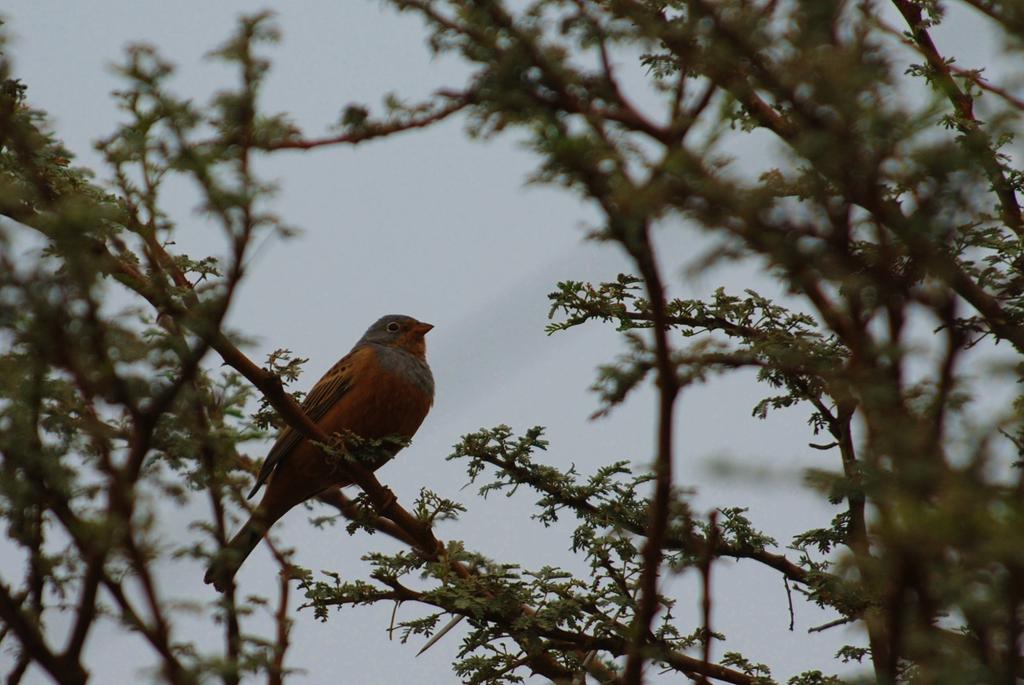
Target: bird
x=381, y=389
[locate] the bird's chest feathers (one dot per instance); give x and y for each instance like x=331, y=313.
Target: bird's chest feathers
x=391, y=399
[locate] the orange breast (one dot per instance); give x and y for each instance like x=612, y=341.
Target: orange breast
x=379, y=405
x=388, y=405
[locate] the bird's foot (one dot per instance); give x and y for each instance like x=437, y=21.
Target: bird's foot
x=384, y=508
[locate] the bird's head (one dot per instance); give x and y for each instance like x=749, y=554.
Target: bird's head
x=401, y=331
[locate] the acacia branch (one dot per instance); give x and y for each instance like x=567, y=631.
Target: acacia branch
x=85, y=612
x=353, y=512
x=869, y=196
x=457, y=101
x=232, y=630
x=275, y=674
x=611, y=642
x=27, y=629
x=657, y=524
x=963, y=104
x=679, y=541
x=705, y=574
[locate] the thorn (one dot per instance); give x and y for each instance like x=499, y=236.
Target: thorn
x=439, y=634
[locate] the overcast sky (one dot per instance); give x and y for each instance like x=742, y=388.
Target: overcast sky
x=437, y=226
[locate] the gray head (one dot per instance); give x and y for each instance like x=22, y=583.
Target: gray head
x=397, y=330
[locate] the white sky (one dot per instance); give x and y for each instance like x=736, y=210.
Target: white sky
x=439, y=227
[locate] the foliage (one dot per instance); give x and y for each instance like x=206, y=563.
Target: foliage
x=887, y=215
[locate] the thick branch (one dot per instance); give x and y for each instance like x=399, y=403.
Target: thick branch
x=657, y=524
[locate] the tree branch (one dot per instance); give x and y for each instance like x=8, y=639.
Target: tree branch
x=457, y=102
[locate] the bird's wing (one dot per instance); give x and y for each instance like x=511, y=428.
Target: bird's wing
x=327, y=391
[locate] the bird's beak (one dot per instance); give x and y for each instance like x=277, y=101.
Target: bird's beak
x=422, y=328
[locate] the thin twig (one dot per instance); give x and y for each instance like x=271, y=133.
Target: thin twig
x=789, y=599
x=375, y=130
x=705, y=574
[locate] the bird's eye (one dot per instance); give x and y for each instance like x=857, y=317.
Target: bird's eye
x=393, y=327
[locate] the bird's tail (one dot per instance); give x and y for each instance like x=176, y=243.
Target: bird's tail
x=227, y=562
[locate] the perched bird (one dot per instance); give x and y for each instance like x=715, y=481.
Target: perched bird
x=383, y=388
